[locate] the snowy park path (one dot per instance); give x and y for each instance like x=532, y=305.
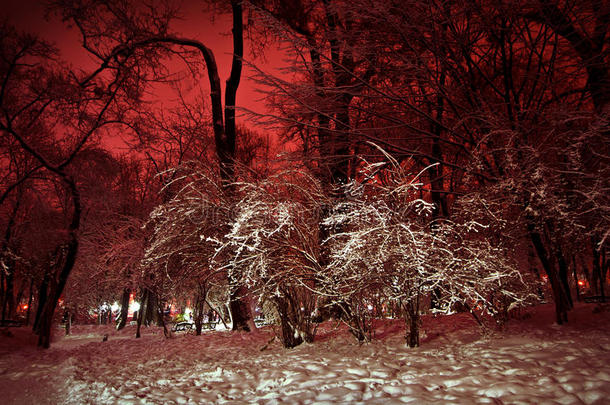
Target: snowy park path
x=532, y=362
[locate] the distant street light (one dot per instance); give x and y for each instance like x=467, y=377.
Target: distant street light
x=134, y=306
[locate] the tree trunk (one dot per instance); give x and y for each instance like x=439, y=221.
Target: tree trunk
x=585, y=269
x=240, y=313
x=42, y=299
x=151, y=307
x=30, y=297
x=598, y=275
x=561, y=301
x=412, y=321
x=8, y=306
x=198, y=317
x=60, y=280
x=161, y=319
x=563, y=276
x=575, y=274
x=19, y=295
x=8, y=301
x=603, y=270
x=2, y=295
x=226, y=147
x=142, y=311
x=57, y=288
x=124, y=309
x=46, y=318
x=413, y=334
x=288, y=334
x=199, y=306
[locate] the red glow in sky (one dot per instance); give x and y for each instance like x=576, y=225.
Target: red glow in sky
x=213, y=31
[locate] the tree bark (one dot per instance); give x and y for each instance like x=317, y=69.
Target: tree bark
x=199, y=306
x=8, y=305
x=58, y=282
x=598, y=275
x=161, y=319
x=30, y=297
x=240, y=312
x=8, y=298
x=142, y=311
x=42, y=299
x=575, y=274
x=563, y=276
x=124, y=309
x=226, y=146
x=561, y=301
x=151, y=309
x=288, y=323
x=412, y=321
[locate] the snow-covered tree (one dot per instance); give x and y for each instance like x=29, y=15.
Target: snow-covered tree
x=275, y=248
x=186, y=233
x=384, y=242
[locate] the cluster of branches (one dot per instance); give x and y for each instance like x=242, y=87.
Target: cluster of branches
x=507, y=100
x=380, y=244
x=53, y=117
x=504, y=104
x=386, y=242
x=49, y=122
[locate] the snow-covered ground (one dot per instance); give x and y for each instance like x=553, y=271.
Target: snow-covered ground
x=532, y=362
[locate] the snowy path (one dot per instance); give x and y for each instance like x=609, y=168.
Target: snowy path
x=533, y=362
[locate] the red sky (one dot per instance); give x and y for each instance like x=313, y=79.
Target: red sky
x=28, y=15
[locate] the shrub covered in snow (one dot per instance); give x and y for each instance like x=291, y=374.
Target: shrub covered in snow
x=275, y=248
x=182, y=254
x=380, y=244
x=383, y=241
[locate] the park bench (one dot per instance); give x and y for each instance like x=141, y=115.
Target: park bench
x=180, y=326
x=209, y=325
x=260, y=322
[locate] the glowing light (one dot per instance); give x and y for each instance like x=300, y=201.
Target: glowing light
x=370, y=307
x=25, y=306
x=581, y=283
x=115, y=306
x=134, y=306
